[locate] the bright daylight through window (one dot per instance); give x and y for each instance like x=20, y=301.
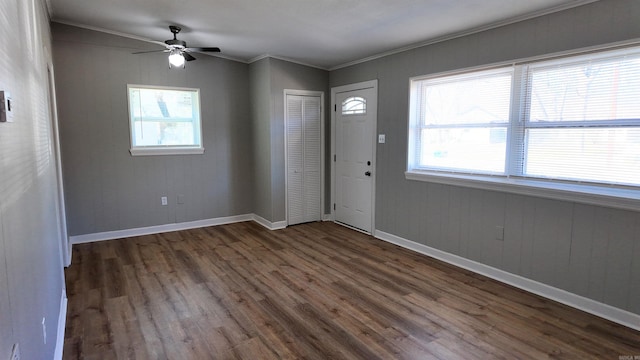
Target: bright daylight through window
x=164, y=121
x=354, y=106
x=573, y=120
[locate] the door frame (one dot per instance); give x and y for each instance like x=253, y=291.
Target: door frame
x=340, y=89
x=65, y=246
x=322, y=149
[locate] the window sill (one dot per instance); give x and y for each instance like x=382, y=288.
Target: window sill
x=620, y=198
x=166, y=151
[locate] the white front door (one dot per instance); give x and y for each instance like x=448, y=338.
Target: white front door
x=355, y=126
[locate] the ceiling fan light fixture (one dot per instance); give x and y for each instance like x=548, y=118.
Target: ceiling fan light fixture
x=176, y=59
x=178, y=51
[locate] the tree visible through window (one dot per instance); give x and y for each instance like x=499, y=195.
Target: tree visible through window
x=572, y=119
x=164, y=118
x=584, y=120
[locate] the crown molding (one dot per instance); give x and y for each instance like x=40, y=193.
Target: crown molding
x=135, y=37
x=497, y=24
x=269, y=56
x=472, y=31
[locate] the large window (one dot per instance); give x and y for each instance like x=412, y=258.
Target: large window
x=573, y=120
x=582, y=119
x=462, y=121
x=164, y=121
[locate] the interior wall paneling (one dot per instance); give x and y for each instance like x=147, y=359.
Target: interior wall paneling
x=583, y=249
x=113, y=190
x=31, y=270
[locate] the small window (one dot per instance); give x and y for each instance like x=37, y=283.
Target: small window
x=164, y=120
x=354, y=105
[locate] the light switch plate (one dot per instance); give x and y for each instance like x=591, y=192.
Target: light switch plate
x=381, y=138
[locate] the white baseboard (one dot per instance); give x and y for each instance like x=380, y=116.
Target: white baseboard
x=608, y=312
x=62, y=323
x=118, y=234
x=70, y=245
x=268, y=224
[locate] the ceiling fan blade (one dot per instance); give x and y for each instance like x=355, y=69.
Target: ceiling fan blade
x=151, y=51
x=188, y=56
x=203, y=49
x=161, y=43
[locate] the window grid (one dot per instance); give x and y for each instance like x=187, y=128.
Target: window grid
x=354, y=105
x=164, y=120
x=438, y=137
x=524, y=133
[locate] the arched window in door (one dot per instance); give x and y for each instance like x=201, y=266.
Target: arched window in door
x=354, y=105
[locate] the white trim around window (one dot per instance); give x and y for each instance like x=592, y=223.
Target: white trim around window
x=164, y=120
x=444, y=147
x=613, y=197
x=166, y=151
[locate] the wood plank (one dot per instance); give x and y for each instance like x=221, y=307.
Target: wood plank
x=311, y=291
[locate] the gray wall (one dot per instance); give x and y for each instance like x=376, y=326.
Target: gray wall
x=270, y=77
x=31, y=277
x=108, y=189
x=260, y=83
x=241, y=171
x=286, y=75
x=587, y=250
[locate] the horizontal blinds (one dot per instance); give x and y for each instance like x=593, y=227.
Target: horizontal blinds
x=476, y=98
x=575, y=118
x=582, y=118
x=464, y=121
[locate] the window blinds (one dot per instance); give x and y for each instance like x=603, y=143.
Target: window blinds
x=582, y=118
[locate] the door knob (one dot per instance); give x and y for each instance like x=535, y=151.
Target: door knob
x=368, y=173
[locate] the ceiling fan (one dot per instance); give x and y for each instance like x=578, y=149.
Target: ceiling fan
x=178, y=50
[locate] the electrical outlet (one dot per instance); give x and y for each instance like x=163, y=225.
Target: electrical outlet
x=382, y=138
x=163, y=200
x=15, y=352
x=499, y=232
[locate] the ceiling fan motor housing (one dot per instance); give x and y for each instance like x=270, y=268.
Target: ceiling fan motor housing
x=176, y=43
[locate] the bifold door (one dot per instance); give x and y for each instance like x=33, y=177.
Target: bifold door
x=303, y=127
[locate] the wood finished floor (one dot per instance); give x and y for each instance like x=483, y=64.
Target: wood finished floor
x=313, y=291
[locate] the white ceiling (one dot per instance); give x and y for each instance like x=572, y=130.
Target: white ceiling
x=322, y=33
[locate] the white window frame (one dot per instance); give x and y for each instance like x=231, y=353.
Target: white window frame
x=610, y=195
x=417, y=126
x=148, y=150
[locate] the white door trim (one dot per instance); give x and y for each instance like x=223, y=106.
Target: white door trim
x=65, y=246
x=340, y=89
x=322, y=148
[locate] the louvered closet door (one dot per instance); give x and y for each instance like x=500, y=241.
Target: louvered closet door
x=303, y=159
